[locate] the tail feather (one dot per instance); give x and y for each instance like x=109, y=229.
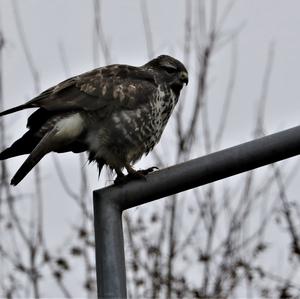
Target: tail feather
x=44, y=146
x=22, y=146
x=15, y=109
x=25, y=168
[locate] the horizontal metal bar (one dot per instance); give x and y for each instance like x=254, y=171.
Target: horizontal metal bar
x=110, y=201
x=206, y=169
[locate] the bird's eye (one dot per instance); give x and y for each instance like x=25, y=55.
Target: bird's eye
x=170, y=69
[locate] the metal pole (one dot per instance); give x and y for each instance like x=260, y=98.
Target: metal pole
x=110, y=260
x=197, y=172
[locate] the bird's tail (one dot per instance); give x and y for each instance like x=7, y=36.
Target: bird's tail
x=15, y=109
x=44, y=146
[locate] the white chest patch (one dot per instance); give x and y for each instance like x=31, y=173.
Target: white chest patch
x=70, y=127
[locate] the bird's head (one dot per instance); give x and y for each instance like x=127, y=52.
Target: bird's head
x=169, y=70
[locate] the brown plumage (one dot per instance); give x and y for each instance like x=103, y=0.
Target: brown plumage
x=117, y=113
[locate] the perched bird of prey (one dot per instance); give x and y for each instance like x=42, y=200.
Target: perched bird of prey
x=116, y=113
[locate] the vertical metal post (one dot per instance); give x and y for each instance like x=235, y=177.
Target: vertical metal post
x=110, y=260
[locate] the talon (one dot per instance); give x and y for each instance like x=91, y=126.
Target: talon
x=133, y=175
x=153, y=168
x=138, y=175
x=120, y=179
x=148, y=170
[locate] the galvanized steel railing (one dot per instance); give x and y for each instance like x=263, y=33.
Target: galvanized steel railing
x=110, y=202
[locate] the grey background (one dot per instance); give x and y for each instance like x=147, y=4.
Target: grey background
x=49, y=24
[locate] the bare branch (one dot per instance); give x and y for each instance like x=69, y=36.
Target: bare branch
x=99, y=31
x=147, y=29
x=264, y=93
x=228, y=95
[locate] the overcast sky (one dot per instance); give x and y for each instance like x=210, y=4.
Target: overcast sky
x=48, y=25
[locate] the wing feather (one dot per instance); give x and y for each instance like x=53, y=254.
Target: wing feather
x=119, y=85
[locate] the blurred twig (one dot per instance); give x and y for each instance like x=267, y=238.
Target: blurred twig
x=147, y=29
x=228, y=95
x=100, y=33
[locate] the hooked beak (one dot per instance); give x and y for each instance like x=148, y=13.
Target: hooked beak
x=184, y=77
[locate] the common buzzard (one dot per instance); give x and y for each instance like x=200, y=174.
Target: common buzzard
x=116, y=113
